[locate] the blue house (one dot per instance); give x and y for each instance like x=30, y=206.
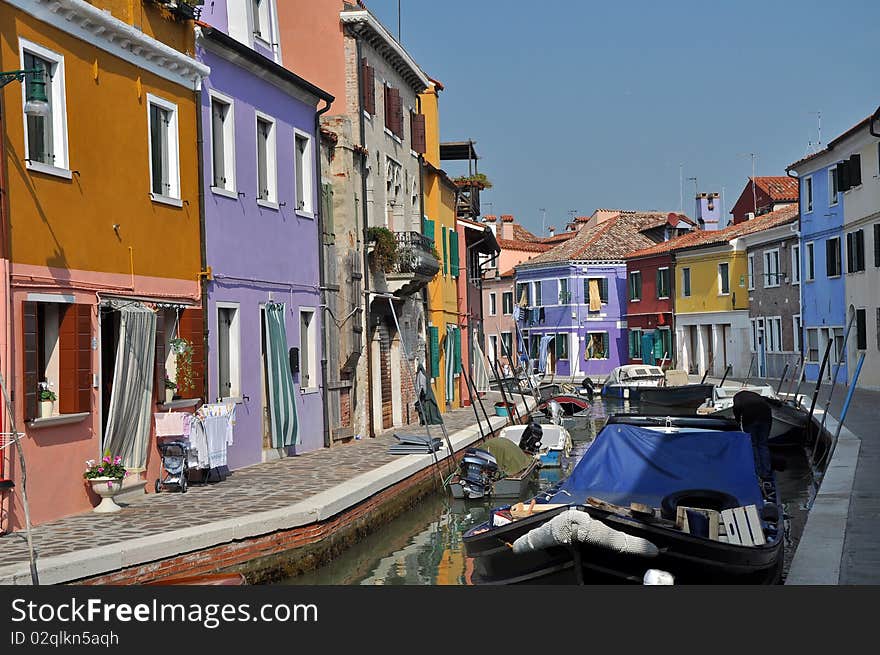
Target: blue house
x=823, y=296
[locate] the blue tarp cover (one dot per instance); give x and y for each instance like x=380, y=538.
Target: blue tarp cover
x=628, y=464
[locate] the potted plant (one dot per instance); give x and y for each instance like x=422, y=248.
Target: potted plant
x=105, y=477
x=47, y=400
x=502, y=408
x=384, y=247
x=183, y=350
x=170, y=388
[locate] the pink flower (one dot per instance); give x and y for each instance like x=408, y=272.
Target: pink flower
x=106, y=459
x=100, y=469
x=117, y=460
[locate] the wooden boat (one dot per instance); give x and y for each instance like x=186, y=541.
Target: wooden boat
x=570, y=404
x=205, y=579
x=649, y=385
x=556, y=442
x=632, y=512
x=626, y=382
x=789, y=427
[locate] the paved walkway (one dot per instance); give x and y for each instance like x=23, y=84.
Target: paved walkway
x=252, y=500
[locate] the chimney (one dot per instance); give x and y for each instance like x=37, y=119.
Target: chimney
x=708, y=213
x=507, y=226
x=551, y=230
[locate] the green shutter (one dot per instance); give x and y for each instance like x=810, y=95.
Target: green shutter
x=428, y=228
x=659, y=345
x=445, y=256
x=453, y=247
x=632, y=342
x=435, y=350
x=327, y=213
x=457, y=351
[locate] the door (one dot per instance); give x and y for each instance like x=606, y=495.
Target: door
x=264, y=382
x=693, y=360
x=385, y=377
x=224, y=326
x=109, y=343
x=761, y=348
x=648, y=348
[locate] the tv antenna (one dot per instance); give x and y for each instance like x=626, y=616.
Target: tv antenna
x=543, y=221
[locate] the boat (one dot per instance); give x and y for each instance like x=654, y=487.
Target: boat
x=627, y=381
x=483, y=472
x=571, y=404
x=789, y=427
x=649, y=385
x=686, y=396
x=556, y=442
x=679, y=494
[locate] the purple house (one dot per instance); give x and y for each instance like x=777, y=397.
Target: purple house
x=572, y=299
x=261, y=237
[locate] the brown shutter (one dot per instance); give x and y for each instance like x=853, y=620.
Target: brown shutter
x=75, y=360
x=417, y=122
x=398, y=115
x=388, y=107
x=368, y=80
x=159, y=383
x=29, y=358
x=192, y=328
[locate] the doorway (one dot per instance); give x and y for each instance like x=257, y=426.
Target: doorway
x=109, y=325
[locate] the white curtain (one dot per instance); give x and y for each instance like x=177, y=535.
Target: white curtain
x=481, y=371
x=128, y=421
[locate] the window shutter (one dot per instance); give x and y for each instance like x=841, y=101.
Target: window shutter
x=854, y=168
x=457, y=351
x=829, y=260
x=327, y=213
x=428, y=228
x=843, y=177
x=860, y=250
x=29, y=359
x=435, y=350
x=418, y=133
x=387, y=92
x=398, y=114
x=659, y=346
x=159, y=363
x=850, y=255
x=75, y=360
x=368, y=79
x=192, y=328
x=453, y=256
x=445, y=256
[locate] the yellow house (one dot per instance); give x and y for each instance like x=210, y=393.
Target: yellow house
x=444, y=331
x=101, y=232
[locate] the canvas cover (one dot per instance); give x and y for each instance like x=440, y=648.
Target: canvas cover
x=627, y=463
x=511, y=459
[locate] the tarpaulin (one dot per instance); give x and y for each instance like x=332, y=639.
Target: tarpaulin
x=628, y=464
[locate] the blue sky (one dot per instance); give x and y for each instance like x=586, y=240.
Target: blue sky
x=579, y=105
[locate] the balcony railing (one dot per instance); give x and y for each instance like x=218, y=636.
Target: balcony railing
x=415, y=255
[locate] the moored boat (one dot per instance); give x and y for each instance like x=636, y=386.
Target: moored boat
x=789, y=427
x=556, y=442
x=679, y=494
x=569, y=403
x=499, y=469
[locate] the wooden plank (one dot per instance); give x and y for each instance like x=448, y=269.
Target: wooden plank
x=731, y=529
x=757, y=529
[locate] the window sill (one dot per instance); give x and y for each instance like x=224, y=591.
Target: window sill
x=834, y=277
x=635, y=300
x=226, y=193
x=305, y=214
x=48, y=169
x=368, y=115
x=268, y=204
x=393, y=136
x=309, y=390
x=181, y=402
x=662, y=297
x=166, y=200
x=238, y=400
x=61, y=419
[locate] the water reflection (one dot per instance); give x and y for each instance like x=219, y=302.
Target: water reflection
x=423, y=546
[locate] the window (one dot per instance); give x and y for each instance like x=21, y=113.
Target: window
x=808, y=194
x=832, y=257
x=861, y=330
x=507, y=343
x=833, y=186
x=723, y=279
x=599, y=295
x=686, y=282
x=812, y=354
x=507, y=303
x=797, y=328
x=774, y=334
x=564, y=295
x=538, y=298
x=753, y=334
x=665, y=342
x=228, y=351
x=796, y=266
x=810, y=263
x=635, y=285
x=262, y=19
x=304, y=173
x=308, y=355
x=267, y=172
x=597, y=345
x=751, y=271
x=855, y=251
x=662, y=282
x=635, y=344
x=393, y=112
x=492, y=307
x=45, y=136
x=164, y=158
x=561, y=344
x=522, y=294
x=222, y=143
x=493, y=348
x=771, y=268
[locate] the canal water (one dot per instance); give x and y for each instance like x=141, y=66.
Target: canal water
x=424, y=546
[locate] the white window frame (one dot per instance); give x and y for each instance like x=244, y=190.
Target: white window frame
x=773, y=334
x=832, y=182
x=766, y=256
x=795, y=265
x=589, y=338
x=810, y=249
x=312, y=349
x=509, y=346
x=493, y=304
x=494, y=354
x=271, y=160
x=686, y=288
x=639, y=341
x=56, y=90
x=174, y=197
x=270, y=43
x=753, y=334
x=537, y=294
x=230, y=189
x=234, y=349
x=840, y=255
x=629, y=285
x=797, y=327
x=720, y=286
x=504, y=311
x=808, y=196
x=305, y=206
x=751, y=271
x=814, y=330
x=669, y=279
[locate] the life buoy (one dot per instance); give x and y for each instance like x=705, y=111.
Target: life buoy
x=702, y=498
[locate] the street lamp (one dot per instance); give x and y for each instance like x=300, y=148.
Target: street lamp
x=36, y=103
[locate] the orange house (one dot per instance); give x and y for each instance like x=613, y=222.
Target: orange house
x=101, y=258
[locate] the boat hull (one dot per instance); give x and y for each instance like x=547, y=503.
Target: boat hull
x=514, y=486
x=690, y=559
x=571, y=405
x=788, y=427
x=689, y=396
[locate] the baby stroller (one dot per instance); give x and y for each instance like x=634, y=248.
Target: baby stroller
x=174, y=465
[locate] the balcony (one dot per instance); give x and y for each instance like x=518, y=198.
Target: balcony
x=415, y=264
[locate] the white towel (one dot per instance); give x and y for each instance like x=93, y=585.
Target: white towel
x=169, y=424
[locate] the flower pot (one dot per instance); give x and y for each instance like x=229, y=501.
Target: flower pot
x=106, y=488
x=46, y=408
x=169, y=395
x=502, y=408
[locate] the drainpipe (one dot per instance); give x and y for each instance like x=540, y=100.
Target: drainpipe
x=203, y=246
x=424, y=291
x=366, y=219
x=6, y=254
x=801, y=339
x=325, y=396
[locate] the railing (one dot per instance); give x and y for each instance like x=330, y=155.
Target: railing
x=415, y=254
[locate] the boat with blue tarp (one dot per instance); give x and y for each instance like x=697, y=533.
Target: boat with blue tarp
x=679, y=494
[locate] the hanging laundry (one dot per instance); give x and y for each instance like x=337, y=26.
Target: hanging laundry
x=595, y=298
x=541, y=316
x=170, y=424
x=516, y=312
x=544, y=351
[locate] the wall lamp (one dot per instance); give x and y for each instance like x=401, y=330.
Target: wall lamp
x=36, y=103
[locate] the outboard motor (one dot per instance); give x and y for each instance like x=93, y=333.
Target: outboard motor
x=553, y=411
x=477, y=471
x=530, y=442
x=587, y=385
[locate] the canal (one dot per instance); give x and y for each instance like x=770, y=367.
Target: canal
x=424, y=547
